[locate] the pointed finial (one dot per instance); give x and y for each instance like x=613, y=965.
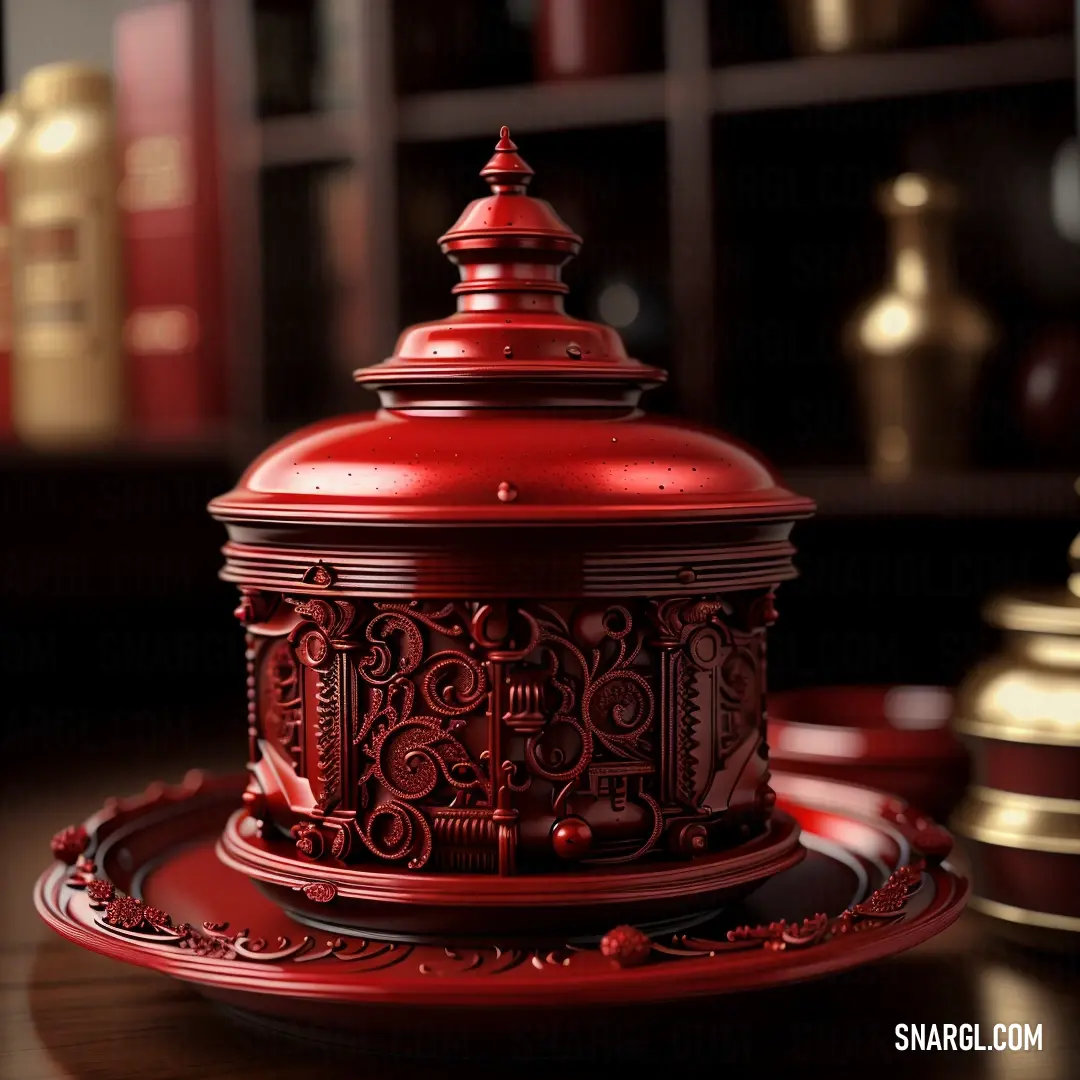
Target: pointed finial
x=506, y=172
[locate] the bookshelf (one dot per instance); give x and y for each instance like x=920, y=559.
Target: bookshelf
x=734, y=144
x=315, y=88
x=691, y=98
x=754, y=158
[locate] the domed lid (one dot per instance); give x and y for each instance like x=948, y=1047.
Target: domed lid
x=1034, y=701
x=508, y=411
x=1041, y=611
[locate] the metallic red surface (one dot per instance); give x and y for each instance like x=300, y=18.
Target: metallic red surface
x=509, y=390
x=612, y=466
x=150, y=892
x=476, y=908
x=509, y=624
x=873, y=735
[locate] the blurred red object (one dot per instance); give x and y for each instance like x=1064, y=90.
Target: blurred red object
x=167, y=127
x=582, y=39
x=1028, y=16
x=1048, y=395
x=896, y=738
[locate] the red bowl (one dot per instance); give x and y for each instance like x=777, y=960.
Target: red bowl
x=896, y=739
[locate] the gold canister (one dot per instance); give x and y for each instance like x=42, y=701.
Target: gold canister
x=1019, y=713
x=68, y=368
x=918, y=345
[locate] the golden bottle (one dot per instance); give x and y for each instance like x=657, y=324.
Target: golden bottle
x=918, y=345
x=68, y=376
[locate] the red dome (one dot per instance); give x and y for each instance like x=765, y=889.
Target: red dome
x=506, y=467
x=508, y=411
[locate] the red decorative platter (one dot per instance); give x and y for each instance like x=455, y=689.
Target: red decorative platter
x=140, y=882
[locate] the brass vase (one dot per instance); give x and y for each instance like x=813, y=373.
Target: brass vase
x=1019, y=713
x=918, y=345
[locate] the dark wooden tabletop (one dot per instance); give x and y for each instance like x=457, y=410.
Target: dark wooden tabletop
x=70, y=1013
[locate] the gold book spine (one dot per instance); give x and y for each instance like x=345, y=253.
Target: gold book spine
x=67, y=357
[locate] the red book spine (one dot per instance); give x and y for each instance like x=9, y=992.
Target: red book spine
x=166, y=125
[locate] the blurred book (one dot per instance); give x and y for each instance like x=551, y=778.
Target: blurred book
x=588, y=39
x=168, y=134
x=67, y=360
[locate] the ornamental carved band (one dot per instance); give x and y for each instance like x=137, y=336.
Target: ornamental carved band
x=506, y=737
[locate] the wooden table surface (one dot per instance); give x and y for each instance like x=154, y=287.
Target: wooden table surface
x=70, y=1013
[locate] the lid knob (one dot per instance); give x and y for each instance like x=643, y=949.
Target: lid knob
x=509, y=245
x=510, y=342
x=507, y=172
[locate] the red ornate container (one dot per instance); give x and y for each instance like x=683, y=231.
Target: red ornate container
x=506, y=636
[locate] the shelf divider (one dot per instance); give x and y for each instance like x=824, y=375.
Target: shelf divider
x=690, y=209
x=460, y=114
x=239, y=164
x=830, y=80
x=740, y=88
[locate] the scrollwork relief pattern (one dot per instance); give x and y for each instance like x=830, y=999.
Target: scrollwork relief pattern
x=405, y=754
x=617, y=704
x=422, y=710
